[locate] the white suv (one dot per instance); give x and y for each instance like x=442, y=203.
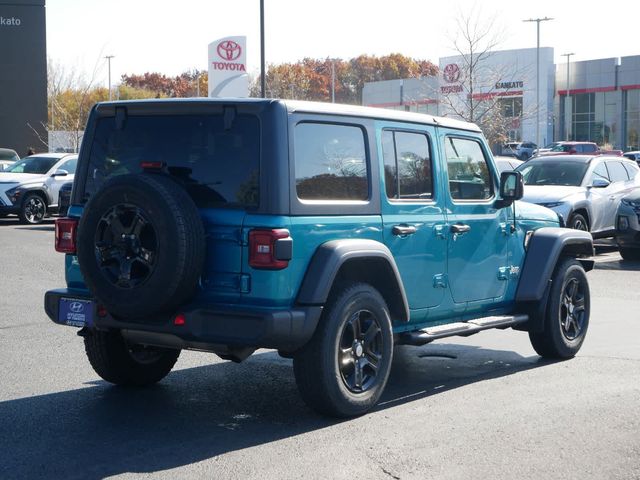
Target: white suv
x=29, y=188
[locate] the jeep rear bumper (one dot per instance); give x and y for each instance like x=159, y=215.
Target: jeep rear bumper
x=205, y=327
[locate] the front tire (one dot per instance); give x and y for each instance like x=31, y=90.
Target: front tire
x=344, y=368
x=578, y=222
x=33, y=209
x=121, y=363
x=567, y=317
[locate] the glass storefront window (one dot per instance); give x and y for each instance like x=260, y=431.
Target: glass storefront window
x=594, y=117
x=632, y=119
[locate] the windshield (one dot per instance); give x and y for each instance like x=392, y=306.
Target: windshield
x=37, y=165
x=554, y=173
x=562, y=148
x=8, y=155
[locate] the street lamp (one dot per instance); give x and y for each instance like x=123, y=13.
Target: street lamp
x=263, y=80
x=567, y=101
x=538, y=20
x=109, y=57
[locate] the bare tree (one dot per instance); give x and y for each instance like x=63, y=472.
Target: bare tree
x=475, y=89
x=71, y=96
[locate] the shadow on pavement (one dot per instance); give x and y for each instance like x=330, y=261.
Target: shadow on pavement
x=42, y=227
x=623, y=265
x=199, y=413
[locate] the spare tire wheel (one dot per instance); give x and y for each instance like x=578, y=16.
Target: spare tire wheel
x=141, y=245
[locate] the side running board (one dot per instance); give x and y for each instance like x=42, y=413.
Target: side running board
x=463, y=329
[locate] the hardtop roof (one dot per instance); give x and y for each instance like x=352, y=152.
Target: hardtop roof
x=294, y=106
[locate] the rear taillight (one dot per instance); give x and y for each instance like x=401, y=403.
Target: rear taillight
x=270, y=249
x=66, y=235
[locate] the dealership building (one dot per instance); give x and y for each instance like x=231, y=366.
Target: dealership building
x=23, y=75
x=600, y=103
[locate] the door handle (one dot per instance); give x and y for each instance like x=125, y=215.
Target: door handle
x=460, y=228
x=403, y=230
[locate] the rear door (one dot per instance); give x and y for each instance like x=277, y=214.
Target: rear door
x=620, y=186
x=413, y=213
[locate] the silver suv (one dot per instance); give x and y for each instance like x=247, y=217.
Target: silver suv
x=583, y=190
x=29, y=188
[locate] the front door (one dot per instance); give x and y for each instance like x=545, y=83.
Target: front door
x=478, y=232
x=412, y=213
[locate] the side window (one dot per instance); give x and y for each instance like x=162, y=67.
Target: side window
x=600, y=172
x=617, y=172
x=469, y=177
x=69, y=165
x=632, y=169
x=330, y=162
x=588, y=148
x=407, y=165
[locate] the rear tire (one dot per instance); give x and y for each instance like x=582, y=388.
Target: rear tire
x=118, y=362
x=567, y=317
x=632, y=254
x=344, y=368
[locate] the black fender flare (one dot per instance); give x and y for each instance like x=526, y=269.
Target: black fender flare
x=331, y=256
x=544, y=249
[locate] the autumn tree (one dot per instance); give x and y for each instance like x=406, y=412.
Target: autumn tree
x=187, y=84
x=71, y=96
x=311, y=79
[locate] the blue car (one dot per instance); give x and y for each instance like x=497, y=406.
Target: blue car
x=328, y=232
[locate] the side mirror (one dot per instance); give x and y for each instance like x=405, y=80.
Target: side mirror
x=572, y=151
x=600, y=183
x=511, y=187
x=60, y=173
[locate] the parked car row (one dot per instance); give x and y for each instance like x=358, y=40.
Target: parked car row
x=30, y=187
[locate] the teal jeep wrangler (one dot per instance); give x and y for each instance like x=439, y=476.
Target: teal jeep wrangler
x=330, y=233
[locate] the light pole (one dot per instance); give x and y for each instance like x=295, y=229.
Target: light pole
x=333, y=81
x=109, y=57
x=263, y=80
x=567, y=101
x=538, y=20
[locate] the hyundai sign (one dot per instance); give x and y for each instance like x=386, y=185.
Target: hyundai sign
x=23, y=75
x=228, y=68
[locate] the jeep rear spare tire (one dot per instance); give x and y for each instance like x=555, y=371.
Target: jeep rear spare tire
x=141, y=245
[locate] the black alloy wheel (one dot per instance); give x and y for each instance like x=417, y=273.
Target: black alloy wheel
x=572, y=309
x=567, y=315
x=578, y=222
x=360, y=351
x=343, y=369
x=33, y=209
x=126, y=246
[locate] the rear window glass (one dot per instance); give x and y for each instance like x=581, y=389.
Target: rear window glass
x=331, y=162
x=218, y=166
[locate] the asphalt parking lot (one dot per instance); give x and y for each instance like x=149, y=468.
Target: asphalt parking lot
x=484, y=406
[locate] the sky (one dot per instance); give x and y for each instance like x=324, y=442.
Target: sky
x=171, y=37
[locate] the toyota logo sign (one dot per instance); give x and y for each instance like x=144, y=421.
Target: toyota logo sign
x=451, y=73
x=229, y=50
